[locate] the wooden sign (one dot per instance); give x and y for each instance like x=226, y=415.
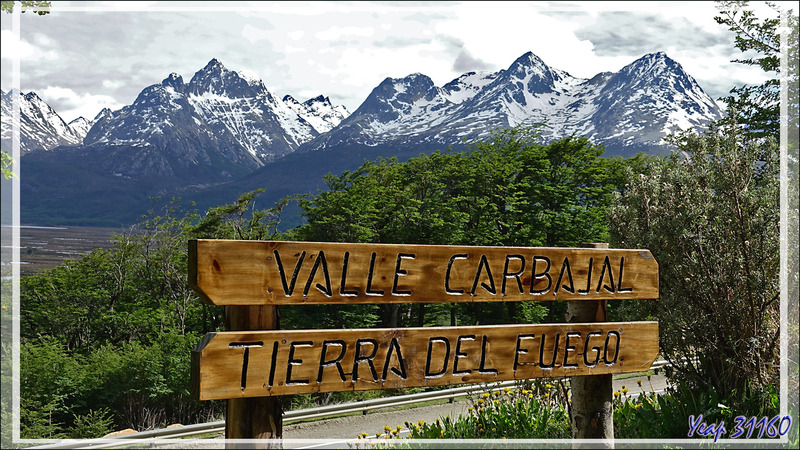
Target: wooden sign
x=225, y=272
x=229, y=365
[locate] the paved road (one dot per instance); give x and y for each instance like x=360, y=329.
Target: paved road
x=347, y=428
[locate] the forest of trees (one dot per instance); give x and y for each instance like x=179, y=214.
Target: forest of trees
x=106, y=339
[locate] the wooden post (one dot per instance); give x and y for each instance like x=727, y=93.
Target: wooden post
x=256, y=417
x=592, y=413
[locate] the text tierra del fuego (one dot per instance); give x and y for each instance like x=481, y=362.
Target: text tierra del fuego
x=264, y=363
x=280, y=362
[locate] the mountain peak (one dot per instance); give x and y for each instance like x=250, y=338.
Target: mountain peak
x=216, y=79
x=214, y=65
x=537, y=76
x=173, y=80
x=105, y=112
x=654, y=66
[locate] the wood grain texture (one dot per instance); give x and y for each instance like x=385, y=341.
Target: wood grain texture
x=267, y=363
x=227, y=272
x=253, y=417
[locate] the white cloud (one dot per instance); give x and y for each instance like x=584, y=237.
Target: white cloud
x=344, y=49
x=499, y=35
x=13, y=47
x=113, y=84
x=336, y=33
x=70, y=105
x=254, y=34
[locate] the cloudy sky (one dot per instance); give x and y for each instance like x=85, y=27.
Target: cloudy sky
x=84, y=56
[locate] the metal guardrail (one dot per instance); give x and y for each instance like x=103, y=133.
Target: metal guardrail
x=290, y=416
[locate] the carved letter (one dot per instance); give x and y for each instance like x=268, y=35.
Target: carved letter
x=458, y=354
x=588, y=279
x=245, y=357
x=394, y=346
x=447, y=276
x=342, y=289
x=428, y=373
x=611, y=288
x=520, y=350
x=336, y=361
x=545, y=274
x=586, y=351
x=489, y=288
x=568, y=348
x=295, y=362
x=621, y=289
x=616, y=348
x=555, y=352
x=371, y=291
x=289, y=288
x=398, y=271
x=273, y=362
x=565, y=266
x=515, y=275
x=324, y=289
x=368, y=358
x=482, y=368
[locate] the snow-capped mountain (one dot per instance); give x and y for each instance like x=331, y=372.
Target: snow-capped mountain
x=80, y=126
x=41, y=128
x=220, y=124
x=627, y=111
x=224, y=133
x=319, y=112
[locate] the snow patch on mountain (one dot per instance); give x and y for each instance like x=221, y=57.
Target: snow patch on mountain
x=40, y=127
x=637, y=106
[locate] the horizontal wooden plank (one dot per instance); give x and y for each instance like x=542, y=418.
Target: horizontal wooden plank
x=226, y=272
x=265, y=363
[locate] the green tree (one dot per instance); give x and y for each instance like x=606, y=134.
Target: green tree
x=758, y=106
x=711, y=221
x=506, y=190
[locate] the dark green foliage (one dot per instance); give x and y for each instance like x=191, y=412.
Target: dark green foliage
x=711, y=221
x=92, y=424
x=758, y=106
x=507, y=190
x=652, y=416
